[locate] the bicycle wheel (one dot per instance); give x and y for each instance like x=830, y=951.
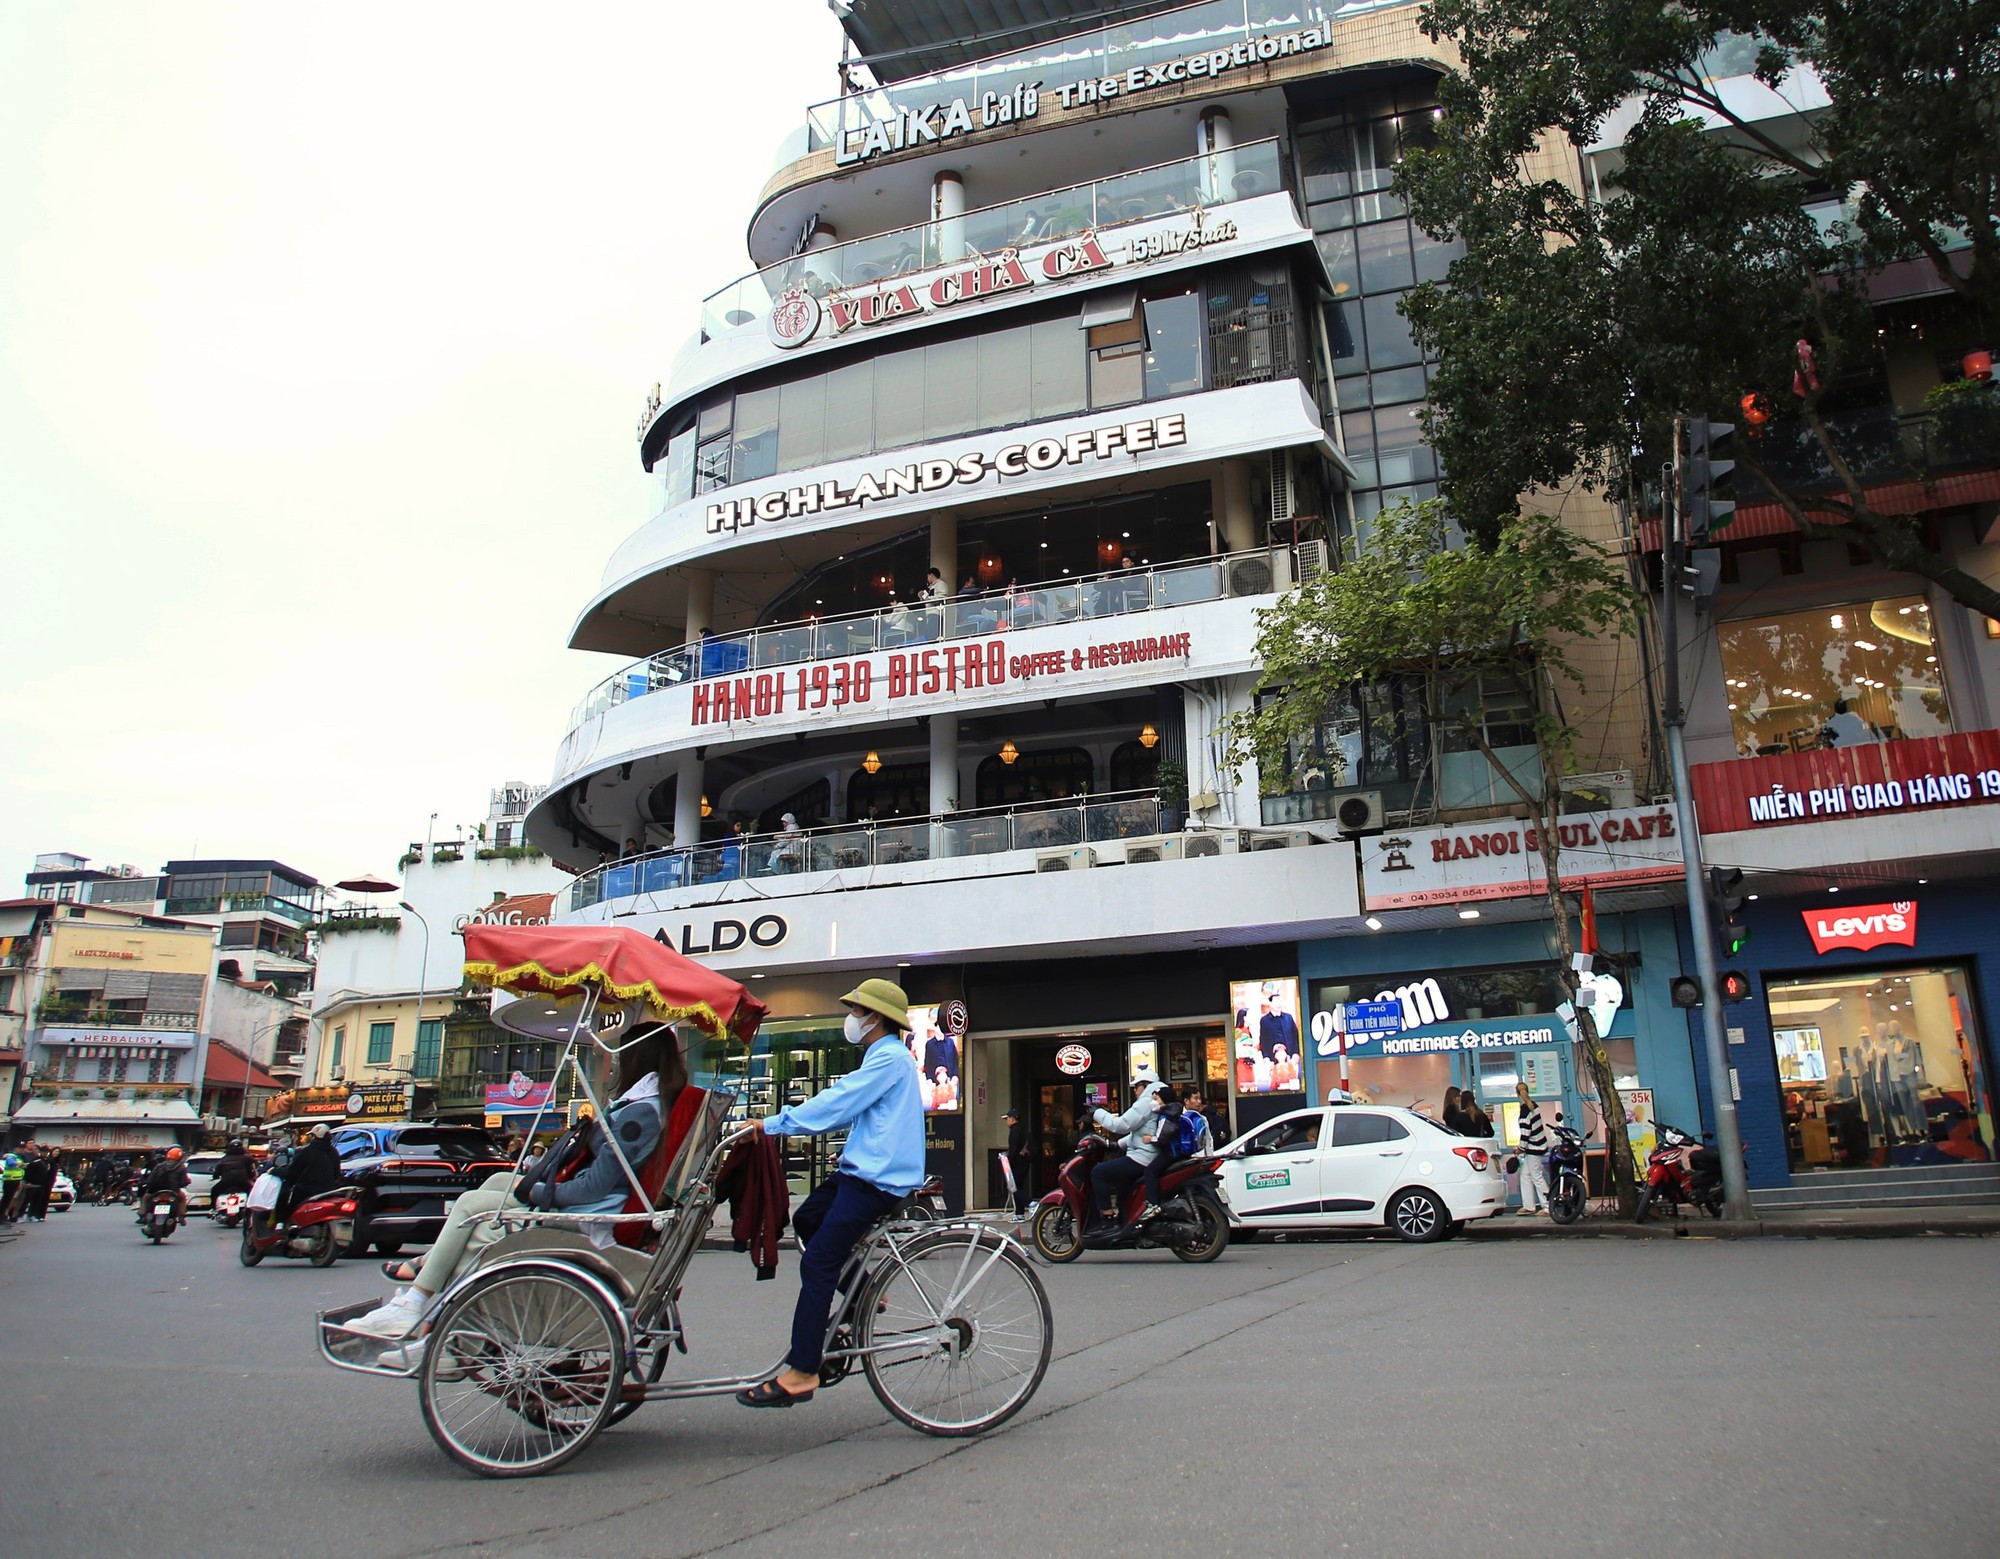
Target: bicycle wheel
x=977, y=1325
x=521, y=1370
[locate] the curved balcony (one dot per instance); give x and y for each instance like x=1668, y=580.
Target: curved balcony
x=852, y=847
x=1095, y=206
x=1086, y=598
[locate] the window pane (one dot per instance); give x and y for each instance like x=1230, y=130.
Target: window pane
x=1389, y=343
x=850, y=410
x=1357, y=437
x=1434, y=255
x=677, y=470
x=1056, y=346
x=1003, y=378
x=899, y=399
x=1327, y=157
x=1343, y=335
x=1173, y=345
x=802, y=423
x=1841, y=676
x=1338, y=250
x=951, y=387
x=755, y=453
x=714, y=418
x=1384, y=251
x=1399, y=384
x=1400, y=452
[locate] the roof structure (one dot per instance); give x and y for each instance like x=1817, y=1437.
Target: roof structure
x=899, y=39
x=228, y=1067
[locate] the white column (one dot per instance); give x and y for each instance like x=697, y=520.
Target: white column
x=944, y=549
x=701, y=602
x=1229, y=497
x=948, y=216
x=944, y=763
x=1215, y=140
x=687, y=802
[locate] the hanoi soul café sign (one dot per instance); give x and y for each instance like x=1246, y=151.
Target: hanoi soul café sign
x=1502, y=858
x=906, y=128
x=1083, y=447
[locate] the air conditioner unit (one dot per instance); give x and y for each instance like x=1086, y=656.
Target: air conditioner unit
x=1312, y=559
x=1251, y=576
x=1359, y=812
x=1204, y=842
x=1281, y=839
x=1168, y=847
x=1065, y=860
x=1281, y=486
x=1598, y=792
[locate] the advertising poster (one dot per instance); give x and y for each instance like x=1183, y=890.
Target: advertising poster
x=1640, y=1126
x=1265, y=1025
x=936, y=1054
x=1142, y=1055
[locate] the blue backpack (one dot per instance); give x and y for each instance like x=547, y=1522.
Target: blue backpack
x=1188, y=1138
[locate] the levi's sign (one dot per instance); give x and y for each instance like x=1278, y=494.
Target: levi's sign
x=919, y=477
x=1862, y=926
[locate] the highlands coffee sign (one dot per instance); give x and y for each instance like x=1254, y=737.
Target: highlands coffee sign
x=905, y=128
x=1086, y=446
x=797, y=316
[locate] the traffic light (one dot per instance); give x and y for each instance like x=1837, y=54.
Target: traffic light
x=1725, y=897
x=1735, y=985
x=1708, y=482
x=1686, y=990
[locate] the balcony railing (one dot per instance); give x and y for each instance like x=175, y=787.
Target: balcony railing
x=68, y=1014
x=1030, y=825
x=1878, y=444
x=1084, y=56
x=1082, y=599
x=1254, y=168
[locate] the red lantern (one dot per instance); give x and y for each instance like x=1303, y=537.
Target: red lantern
x=1756, y=411
x=1109, y=551
x=1978, y=365
x=989, y=568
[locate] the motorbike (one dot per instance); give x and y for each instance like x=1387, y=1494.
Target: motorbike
x=162, y=1216
x=1192, y=1223
x=1681, y=1170
x=228, y=1208
x=1565, y=1166
x=927, y=1206
x=318, y=1230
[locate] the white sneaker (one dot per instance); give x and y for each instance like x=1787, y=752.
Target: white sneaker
x=398, y=1317
x=404, y=1356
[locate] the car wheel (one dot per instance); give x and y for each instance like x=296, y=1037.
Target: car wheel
x=1419, y=1217
x=1243, y=1236
x=389, y=1248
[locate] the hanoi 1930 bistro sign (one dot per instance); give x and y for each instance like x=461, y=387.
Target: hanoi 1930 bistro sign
x=1501, y=858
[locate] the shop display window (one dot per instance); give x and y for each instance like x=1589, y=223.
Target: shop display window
x=1834, y=676
x=1878, y=1070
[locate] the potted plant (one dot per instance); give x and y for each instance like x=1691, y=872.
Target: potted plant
x=1170, y=779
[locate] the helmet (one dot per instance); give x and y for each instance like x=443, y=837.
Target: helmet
x=235, y=1144
x=173, y=1155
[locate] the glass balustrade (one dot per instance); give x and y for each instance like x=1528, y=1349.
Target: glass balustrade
x=835, y=638
x=837, y=847
x=1254, y=168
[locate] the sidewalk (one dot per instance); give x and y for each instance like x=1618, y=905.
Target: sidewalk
x=1851, y=1223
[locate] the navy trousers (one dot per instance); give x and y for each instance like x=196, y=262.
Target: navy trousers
x=829, y=1224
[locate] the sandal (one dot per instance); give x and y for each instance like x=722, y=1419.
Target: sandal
x=771, y=1394
x=394, y=1271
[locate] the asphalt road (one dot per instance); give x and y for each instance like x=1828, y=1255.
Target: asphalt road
x=1523, y=1398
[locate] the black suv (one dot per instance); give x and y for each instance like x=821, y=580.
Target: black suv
x=407, y=1176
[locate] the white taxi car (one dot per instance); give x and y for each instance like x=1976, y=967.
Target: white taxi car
x=1354, y=1166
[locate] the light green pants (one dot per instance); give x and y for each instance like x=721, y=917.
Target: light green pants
x=465, y=1234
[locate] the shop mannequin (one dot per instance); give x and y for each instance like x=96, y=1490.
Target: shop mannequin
x=1868, y=1066
x=1906, y=1070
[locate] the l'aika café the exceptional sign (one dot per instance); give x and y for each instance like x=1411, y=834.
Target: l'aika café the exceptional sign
x=905, y=128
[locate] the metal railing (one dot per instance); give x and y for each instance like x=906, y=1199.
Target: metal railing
x=1028, y=825
x=1085, y=598
x=80, y=1015
x=1216, y=179
x=1878, y=444
x=1111, y=50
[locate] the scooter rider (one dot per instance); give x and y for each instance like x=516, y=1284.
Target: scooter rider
x=235, y=1171
x=1114, y=1176
x=169, y=1174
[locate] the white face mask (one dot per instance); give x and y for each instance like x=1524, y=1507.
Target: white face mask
x=854, y=1030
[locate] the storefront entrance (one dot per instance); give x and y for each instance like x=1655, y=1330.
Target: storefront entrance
x=1881, y=1070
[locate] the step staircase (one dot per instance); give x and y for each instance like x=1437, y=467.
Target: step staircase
x=1930, y=1185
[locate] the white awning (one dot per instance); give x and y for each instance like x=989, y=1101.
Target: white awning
x=106, y=1112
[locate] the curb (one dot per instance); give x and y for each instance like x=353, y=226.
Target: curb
x=1754, y=1229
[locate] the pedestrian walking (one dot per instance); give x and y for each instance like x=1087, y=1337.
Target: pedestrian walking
x=1534, y=1153
x=38, y=1179
x=1017, y=1159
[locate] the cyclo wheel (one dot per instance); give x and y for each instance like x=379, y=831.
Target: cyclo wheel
x=521, y=1371
x=999, y=1332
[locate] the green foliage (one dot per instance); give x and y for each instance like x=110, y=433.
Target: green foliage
x=509, y=852
x=1574, y=330
x=344, y=923
x=1170, y=779
x=1461, y=617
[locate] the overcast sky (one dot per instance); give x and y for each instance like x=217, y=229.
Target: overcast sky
x=324, y=330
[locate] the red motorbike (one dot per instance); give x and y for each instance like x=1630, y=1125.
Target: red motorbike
x=319, y=1229
x=1192, y=1223
x=1681, y=1170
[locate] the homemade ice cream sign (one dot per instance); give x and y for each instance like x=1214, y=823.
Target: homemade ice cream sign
x=1502, y=858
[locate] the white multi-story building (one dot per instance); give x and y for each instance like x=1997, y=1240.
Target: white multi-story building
x=1054, y=367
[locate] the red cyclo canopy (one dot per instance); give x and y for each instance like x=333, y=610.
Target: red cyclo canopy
x=559, y=960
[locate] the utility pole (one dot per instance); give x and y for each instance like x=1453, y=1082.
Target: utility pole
x=1722, y=1098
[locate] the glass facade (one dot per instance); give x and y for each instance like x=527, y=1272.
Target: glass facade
x=1881, y=1069
x=1374, y=254
x=1834, y=676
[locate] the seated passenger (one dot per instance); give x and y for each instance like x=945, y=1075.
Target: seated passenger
x=1113, y=1176
x=1164, y=1132
x=651, y=1074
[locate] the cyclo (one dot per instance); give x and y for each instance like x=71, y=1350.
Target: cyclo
x=549, y=1335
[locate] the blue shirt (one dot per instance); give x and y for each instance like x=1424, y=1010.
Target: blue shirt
x=879, y=1104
